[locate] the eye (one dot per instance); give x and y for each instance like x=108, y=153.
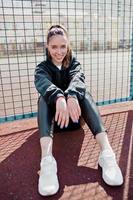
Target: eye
x=63, y=46
x=54, y=47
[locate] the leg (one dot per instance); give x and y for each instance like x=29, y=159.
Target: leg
x=91, y=115
x=48, y=180
x=102, y=140
x=45, y=124
x=93, y=119
x=46, y=144
x=111, y=172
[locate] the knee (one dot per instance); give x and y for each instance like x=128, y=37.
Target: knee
x=43, y=105
x=41, y=101
x=88, y=95
x=87, y=98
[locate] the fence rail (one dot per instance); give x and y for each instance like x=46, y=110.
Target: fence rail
x=101, y=34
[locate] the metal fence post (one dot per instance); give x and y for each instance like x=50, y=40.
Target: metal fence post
x=131, y=77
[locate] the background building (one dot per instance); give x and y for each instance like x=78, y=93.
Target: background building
x=92, y=25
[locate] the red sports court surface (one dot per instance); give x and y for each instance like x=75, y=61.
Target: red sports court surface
x=76, y=154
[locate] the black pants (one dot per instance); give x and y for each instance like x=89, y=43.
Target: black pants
x=89, y=112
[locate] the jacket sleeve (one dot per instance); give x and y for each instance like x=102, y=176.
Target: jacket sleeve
x=44, y=85
x=76, y=86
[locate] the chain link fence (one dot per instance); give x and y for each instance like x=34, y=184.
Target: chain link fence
x=101, y=34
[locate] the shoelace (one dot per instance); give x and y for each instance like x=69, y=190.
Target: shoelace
x=48, y=167
x=110, y=161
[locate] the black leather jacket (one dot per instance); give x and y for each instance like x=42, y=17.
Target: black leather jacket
x=51, y=82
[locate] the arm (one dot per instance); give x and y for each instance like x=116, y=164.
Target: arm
x=44, y=85
x=76, y=90
x=76, y=86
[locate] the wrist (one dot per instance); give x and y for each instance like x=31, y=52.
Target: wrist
x=71, y=96
x=59, y=97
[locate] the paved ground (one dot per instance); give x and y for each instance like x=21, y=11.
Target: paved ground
x=76, y=153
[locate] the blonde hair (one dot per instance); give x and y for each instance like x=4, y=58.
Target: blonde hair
x=60, y=30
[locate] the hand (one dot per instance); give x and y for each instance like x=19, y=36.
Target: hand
x=61, y=115
x=73, y=108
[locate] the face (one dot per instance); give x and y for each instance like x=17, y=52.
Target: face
x=57, y=47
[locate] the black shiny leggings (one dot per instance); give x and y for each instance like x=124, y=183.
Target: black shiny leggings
x=89, y=111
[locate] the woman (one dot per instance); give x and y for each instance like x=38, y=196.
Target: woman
x=63, y=101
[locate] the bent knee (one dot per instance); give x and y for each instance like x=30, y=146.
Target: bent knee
x=41, y=101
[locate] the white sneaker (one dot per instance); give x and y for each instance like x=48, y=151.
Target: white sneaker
x=111, y=172
x=48, y=181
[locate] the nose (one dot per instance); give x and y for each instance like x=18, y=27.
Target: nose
x=59, y=51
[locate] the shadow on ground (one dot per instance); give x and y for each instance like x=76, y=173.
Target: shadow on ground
x=76, y=154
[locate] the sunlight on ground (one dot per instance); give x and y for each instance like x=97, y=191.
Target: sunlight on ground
x=83, y=187
x=91, y=191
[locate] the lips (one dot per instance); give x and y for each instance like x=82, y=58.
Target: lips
x=59, y=58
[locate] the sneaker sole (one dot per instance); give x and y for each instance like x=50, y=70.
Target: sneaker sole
x=48, y=194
